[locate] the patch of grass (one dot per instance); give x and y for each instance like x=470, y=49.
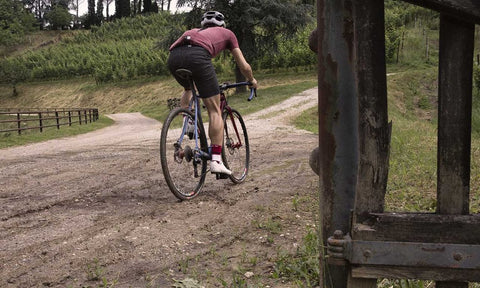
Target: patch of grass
x=308, y=120
x=271, y=225
x=11, y=139
x=301, y=268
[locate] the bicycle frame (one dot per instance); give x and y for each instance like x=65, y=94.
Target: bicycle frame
x=195, y=104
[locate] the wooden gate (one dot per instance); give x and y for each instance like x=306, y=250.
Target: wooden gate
x=363, y=242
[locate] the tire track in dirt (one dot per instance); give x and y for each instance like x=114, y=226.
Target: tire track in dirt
x=98, y=202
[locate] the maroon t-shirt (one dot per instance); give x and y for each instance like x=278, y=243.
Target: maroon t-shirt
x=214, y=39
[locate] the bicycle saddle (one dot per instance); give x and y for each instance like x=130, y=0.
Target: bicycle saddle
x=184, y=73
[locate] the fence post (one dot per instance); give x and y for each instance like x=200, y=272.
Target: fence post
x=58, y=120
x=69, y=118
x=79, y=117
x=85, y=114
x=18, y=124
x=40, y=120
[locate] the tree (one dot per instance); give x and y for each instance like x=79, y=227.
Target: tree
x=15, y=21
x=99, y=14
x=90, y=14
x=13, y=72
x=147, y=6
x=107, y=10
x=58, y=17
x=122, y=8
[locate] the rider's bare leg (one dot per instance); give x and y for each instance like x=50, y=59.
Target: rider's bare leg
x=215, y=132
x=185, y=100
x=215, y=126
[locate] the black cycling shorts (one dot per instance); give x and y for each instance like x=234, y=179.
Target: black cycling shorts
x=198, y=60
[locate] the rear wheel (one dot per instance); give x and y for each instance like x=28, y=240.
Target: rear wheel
x=184, y=171
x=236, y=150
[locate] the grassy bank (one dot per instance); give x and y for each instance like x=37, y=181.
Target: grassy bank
x=412, y=96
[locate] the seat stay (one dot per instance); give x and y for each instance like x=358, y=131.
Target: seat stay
x=195, y=106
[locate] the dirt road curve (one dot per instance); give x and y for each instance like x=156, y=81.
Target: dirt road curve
x=92, y=208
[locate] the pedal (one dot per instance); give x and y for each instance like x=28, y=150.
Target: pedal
x=221, y=176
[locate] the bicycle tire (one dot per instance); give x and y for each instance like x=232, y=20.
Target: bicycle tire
x=236, y=149
x=178, y=162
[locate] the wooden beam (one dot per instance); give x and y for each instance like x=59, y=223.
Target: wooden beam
x=374, y=132
x=420, y=227
x=467, y=10
x=454, y=118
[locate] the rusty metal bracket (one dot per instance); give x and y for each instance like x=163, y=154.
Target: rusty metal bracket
x=437, y=255
x=339, y=247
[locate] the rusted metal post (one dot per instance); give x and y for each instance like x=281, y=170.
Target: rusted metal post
x=454, y=120
x=338, y=118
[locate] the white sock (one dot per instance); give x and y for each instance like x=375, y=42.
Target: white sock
x=217, y=157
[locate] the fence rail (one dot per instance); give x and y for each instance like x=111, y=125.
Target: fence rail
x=18, y=119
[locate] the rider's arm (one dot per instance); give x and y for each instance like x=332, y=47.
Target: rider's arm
x=245, y=68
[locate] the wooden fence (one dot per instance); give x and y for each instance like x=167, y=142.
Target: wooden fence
x=21, y=119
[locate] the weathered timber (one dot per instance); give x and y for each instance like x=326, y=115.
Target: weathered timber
x=454, y=115
x=374, y=134
x=338, y=118
x=454, y=119
x=440, y=274
x=467, y=10
x=420, y=227
x=374, y=130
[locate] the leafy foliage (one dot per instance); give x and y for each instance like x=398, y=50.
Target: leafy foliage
x=113, y=52
x=260, y=24
x=58, y=17
x=15, y=22
x=130, y=48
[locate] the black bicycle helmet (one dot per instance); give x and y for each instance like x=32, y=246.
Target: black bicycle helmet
x=213, y=18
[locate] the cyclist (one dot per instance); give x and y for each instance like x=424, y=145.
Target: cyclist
x=194, y=51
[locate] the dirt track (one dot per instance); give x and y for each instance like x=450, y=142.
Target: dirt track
x=92, y=208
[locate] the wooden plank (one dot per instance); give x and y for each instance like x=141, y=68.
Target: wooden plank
x=440, y=274
x=454, y=115
x=420, y=227
x=373, y=128
x=454, y=119
x=468, y=10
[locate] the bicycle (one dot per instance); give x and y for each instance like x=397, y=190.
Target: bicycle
x=184, y=151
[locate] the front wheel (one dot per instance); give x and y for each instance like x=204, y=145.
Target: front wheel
x=184, y=172
x=236, y=150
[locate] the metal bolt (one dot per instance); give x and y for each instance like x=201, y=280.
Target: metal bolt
x=338, y=234
x=367, y=253
x=457, y=256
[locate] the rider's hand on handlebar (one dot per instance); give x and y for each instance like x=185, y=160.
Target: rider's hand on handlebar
x=254, y=83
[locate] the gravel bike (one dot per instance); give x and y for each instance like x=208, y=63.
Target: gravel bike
x=184, y=151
